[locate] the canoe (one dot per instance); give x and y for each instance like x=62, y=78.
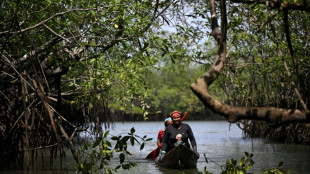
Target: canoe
x=179, y=157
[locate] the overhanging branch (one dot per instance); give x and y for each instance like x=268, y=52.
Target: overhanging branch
x=277, y=4
x=235, y=113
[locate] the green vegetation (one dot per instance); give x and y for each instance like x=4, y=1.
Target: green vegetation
x=97, y=155
x=67, y=63
x=243, y=167
x=168, y=92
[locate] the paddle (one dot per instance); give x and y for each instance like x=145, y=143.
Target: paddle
x=155, y=152
x=184, y=116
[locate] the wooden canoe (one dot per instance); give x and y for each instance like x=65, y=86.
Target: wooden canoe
x=179, y=157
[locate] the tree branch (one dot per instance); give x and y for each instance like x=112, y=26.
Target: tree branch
x=235, y=113
x=40, y=92
x=46, y=20
x=56, y=33
x=277, y=4
x=295, y=63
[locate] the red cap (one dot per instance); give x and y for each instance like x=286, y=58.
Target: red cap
x=175, y=114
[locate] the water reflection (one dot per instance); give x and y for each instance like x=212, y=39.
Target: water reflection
x=214, y=138
x=221, y=142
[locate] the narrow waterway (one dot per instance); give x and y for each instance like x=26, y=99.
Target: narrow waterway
x=217, y=139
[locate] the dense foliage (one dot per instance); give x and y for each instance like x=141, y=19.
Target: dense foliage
x=66, y=63
x=63, y=63
x=97, y=154
x=168, y=92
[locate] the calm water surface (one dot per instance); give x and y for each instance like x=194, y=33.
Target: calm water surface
x=217, y=139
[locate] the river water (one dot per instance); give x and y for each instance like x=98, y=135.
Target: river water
x=217, y=139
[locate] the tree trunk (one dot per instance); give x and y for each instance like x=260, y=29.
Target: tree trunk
x=235, y=113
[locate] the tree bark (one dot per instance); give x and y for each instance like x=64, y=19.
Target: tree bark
x=69, y=141
x=42, y=96
x=235, y=113
x=295, y=63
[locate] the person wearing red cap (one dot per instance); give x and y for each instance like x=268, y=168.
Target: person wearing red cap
x=177, y=133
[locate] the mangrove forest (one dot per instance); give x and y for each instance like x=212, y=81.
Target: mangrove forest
x=73, y=66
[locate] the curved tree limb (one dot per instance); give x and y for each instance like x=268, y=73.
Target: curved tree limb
x=235, y=113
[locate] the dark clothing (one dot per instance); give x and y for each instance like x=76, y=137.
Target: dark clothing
x=171, y=136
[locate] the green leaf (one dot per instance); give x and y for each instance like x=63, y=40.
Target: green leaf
x=247, y=167
x=149, y=139
x=142, y=146
x=241, y=161
x=133, y=164
x=108, y=143
x=132, y=141
x=126, y=166
x=252, y=162
x=132, y=130
x=117, y=167
x=125, y=139
x=122, y=158
x=206, y=159
x=280, y=164
x=233, y=161
x=92, y=12
x=96, y=143
x=106, y=134
x=115, y=138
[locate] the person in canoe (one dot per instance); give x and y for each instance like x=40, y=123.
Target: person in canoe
x=177, y=133
x=160, y=136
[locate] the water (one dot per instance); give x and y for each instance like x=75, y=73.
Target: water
x=217, y=139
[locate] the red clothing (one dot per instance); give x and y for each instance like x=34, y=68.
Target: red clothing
x=160, y=138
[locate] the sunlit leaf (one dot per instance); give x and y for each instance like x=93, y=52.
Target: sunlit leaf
x=186, y=38
x=241, y=161
x=106, y=134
